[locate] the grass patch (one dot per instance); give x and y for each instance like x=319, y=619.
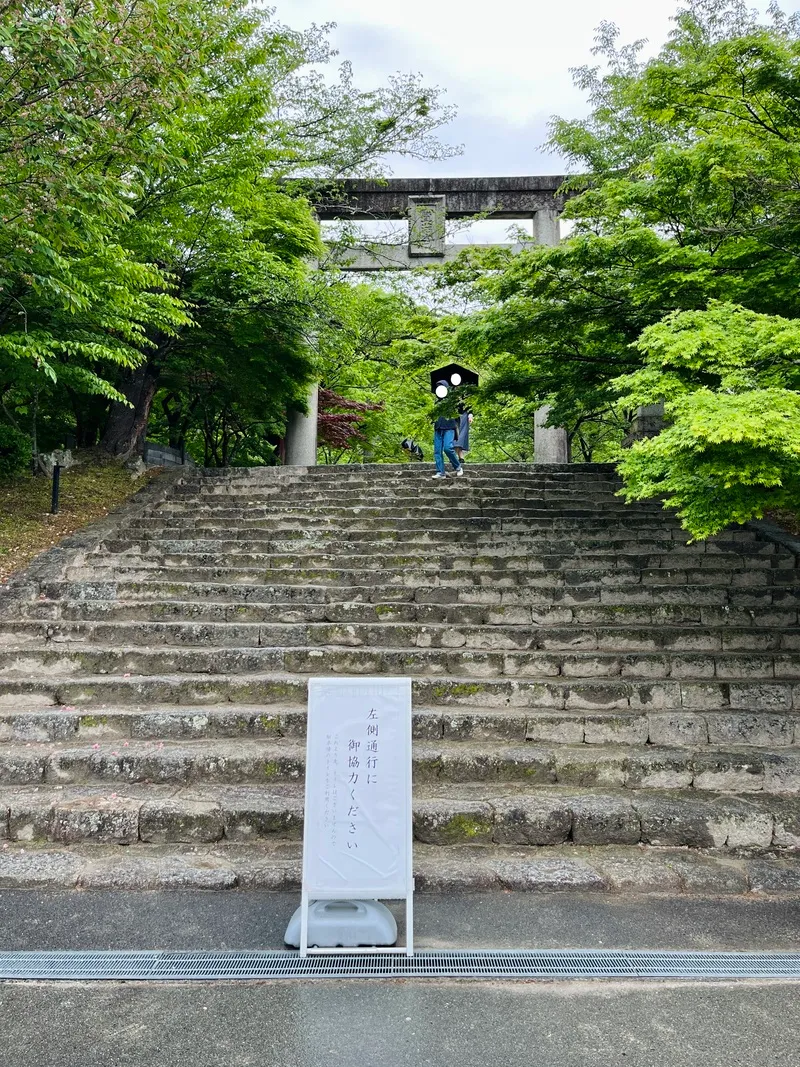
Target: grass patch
x=89, y=490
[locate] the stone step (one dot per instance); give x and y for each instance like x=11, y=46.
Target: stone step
x=75, y=659
x=418, y=480
x=344, y=484
x=146, y=531
x=743, y=620
x=432, y=562
x=462, y=496
x=420, y=513
x=468, y=489
x=312, y=524
x=270, y=761
x=393, y=634
x=486, y=813
x=422, y=484
x=401, y=469
x=556, y=694
x=670, y=574
x=681, y=728
x=785, y=598
x=512, y=547
x=276, y=865
x=414, y=505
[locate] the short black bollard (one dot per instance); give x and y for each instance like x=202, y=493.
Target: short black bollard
x=56, y=487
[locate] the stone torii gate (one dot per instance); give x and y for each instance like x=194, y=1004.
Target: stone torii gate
x=427, y=203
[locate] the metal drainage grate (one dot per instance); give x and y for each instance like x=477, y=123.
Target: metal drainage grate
x=216, y=966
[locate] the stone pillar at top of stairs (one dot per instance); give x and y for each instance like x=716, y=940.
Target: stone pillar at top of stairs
x=301, y=432
x=550, y=444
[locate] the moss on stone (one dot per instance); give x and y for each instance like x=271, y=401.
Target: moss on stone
x=460, y=689
x=269, y=724
x=426, y=769
x=465, y=828
x=89, y=721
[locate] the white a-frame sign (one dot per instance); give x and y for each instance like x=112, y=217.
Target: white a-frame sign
x=357, y=838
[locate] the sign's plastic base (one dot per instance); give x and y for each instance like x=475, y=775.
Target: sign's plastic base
x=345, y=924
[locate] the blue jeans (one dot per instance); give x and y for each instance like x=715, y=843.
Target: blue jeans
x=443, y=446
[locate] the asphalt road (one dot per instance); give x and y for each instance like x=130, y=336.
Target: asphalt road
x=184, y=919
x=407, y=1023
x=400, y=1024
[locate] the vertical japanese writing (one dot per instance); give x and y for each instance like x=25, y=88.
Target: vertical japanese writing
x=362, y=766
x=353, y=774
x=372, y=748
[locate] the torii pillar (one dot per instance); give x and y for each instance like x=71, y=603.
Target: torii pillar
x=301, y=432
x=550, y=444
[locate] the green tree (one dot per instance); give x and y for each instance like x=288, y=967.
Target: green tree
x=730, y=380
x=81, y=86
x=685, y=197
x=159, y=156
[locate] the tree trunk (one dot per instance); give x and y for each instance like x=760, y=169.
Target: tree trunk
x=127, y=425
x=175, y=419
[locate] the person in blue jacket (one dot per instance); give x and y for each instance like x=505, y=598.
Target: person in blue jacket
x=444, y=435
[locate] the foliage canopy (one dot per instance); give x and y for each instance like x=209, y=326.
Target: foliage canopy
x=156, y=163
x=677, y=281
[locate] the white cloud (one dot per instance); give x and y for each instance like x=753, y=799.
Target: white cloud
x=505, y=64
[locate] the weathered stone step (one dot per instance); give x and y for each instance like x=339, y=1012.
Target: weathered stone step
x=785, y=598
x=573, y=694
x=461, y=507
x=670, y=574
x=420, y=513
x=401, y=469
x=752, y=620
x=481, y=544
x=419, y=480
x=73, y=659
x=276, y=865
x=312, y=525
x=432, y=562
x=482, y=813
x=350, y=484
x=345, y=485
x=462, y=498
x=257, y=761
x=466, y=490
x=384, y=475
x=393, y=634
x=683, y=728
x=148, y=531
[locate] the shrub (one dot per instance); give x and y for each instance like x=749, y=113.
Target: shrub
x=15, y=451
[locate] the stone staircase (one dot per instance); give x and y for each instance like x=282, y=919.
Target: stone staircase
x=597, y=703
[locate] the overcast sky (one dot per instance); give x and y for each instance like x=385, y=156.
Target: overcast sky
x=504, y=63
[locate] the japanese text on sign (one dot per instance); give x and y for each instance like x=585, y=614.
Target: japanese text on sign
x=358, y=795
